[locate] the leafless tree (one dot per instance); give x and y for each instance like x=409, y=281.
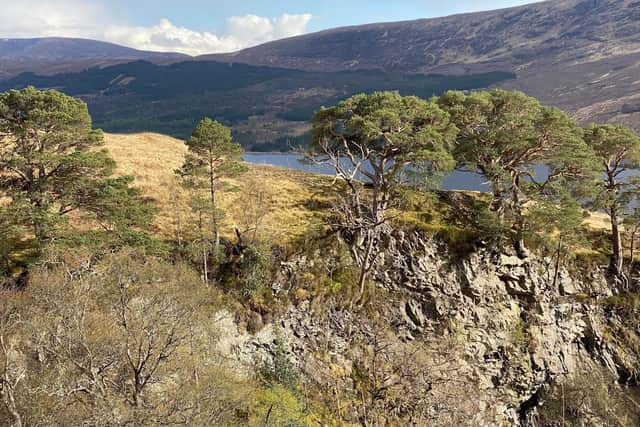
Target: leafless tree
x=407, y=383
x=153, y=327
x=254, y=203
x=11, y=373
x=389, y=381
x=359, y=216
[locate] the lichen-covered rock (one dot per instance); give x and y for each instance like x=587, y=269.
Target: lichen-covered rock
x=521, y=330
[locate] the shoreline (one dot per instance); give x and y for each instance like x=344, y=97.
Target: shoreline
x=282, y=153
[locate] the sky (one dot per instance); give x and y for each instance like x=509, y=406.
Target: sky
x=211, y=26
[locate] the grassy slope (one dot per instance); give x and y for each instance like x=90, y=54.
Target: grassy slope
x=292, y=200
x=288, y=195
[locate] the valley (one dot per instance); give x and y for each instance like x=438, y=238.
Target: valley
x=419, y=223
x=268, y=108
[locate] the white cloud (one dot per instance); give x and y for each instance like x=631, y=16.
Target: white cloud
x=254, y=29
x=242, y=31
x=77, y=18
x=41, y=18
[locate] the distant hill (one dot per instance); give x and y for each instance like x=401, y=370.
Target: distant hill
x=581, y=55
x=60, y=49
x=269, y=108
x=55, y=54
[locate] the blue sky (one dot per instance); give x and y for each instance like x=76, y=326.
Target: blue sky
x=210, y=26
x=210, y=15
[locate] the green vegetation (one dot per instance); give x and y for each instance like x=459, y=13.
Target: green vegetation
x=50, y=169
x=564, y=217
x=617, y=150
x=105, y=319
x=376, y=137
x=212, y=155
x=504, y=135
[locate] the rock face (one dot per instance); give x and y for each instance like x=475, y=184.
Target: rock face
x=515, y=332
x=520, y=331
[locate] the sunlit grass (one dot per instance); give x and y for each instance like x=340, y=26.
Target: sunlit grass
x=287, y=198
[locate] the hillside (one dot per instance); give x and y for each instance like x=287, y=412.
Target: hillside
x=284, y=196
x=269, y=108
x=580, y=55
x=460, y=335
x=50, y=55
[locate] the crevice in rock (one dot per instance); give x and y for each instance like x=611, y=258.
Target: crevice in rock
x=528, y=407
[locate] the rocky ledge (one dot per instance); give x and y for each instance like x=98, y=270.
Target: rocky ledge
x=490, y=332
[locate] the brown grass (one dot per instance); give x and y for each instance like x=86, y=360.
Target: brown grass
x=288, y=196
x=598, y=221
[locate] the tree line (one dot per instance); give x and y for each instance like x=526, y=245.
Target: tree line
x=52, y=167
x=381, y=142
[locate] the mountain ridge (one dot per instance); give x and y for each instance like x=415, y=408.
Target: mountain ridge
x=565, y=20
x=52, y=55
x=56, y=48
x=579, y=55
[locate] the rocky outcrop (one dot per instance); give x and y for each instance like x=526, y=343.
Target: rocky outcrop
x=521, y=332
x=515, y=332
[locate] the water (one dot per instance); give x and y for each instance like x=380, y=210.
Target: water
x=457, y=180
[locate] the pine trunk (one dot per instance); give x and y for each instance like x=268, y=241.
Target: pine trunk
x=616, y=243
x=214, y=216
x=205, y=254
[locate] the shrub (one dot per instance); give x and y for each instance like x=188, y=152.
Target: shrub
x=279, y=370
x=591, y=398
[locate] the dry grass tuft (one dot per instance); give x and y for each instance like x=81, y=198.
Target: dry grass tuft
x=598, y=221
x=285, y=197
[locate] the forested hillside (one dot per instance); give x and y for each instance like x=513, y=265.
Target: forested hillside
x=268, y=108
